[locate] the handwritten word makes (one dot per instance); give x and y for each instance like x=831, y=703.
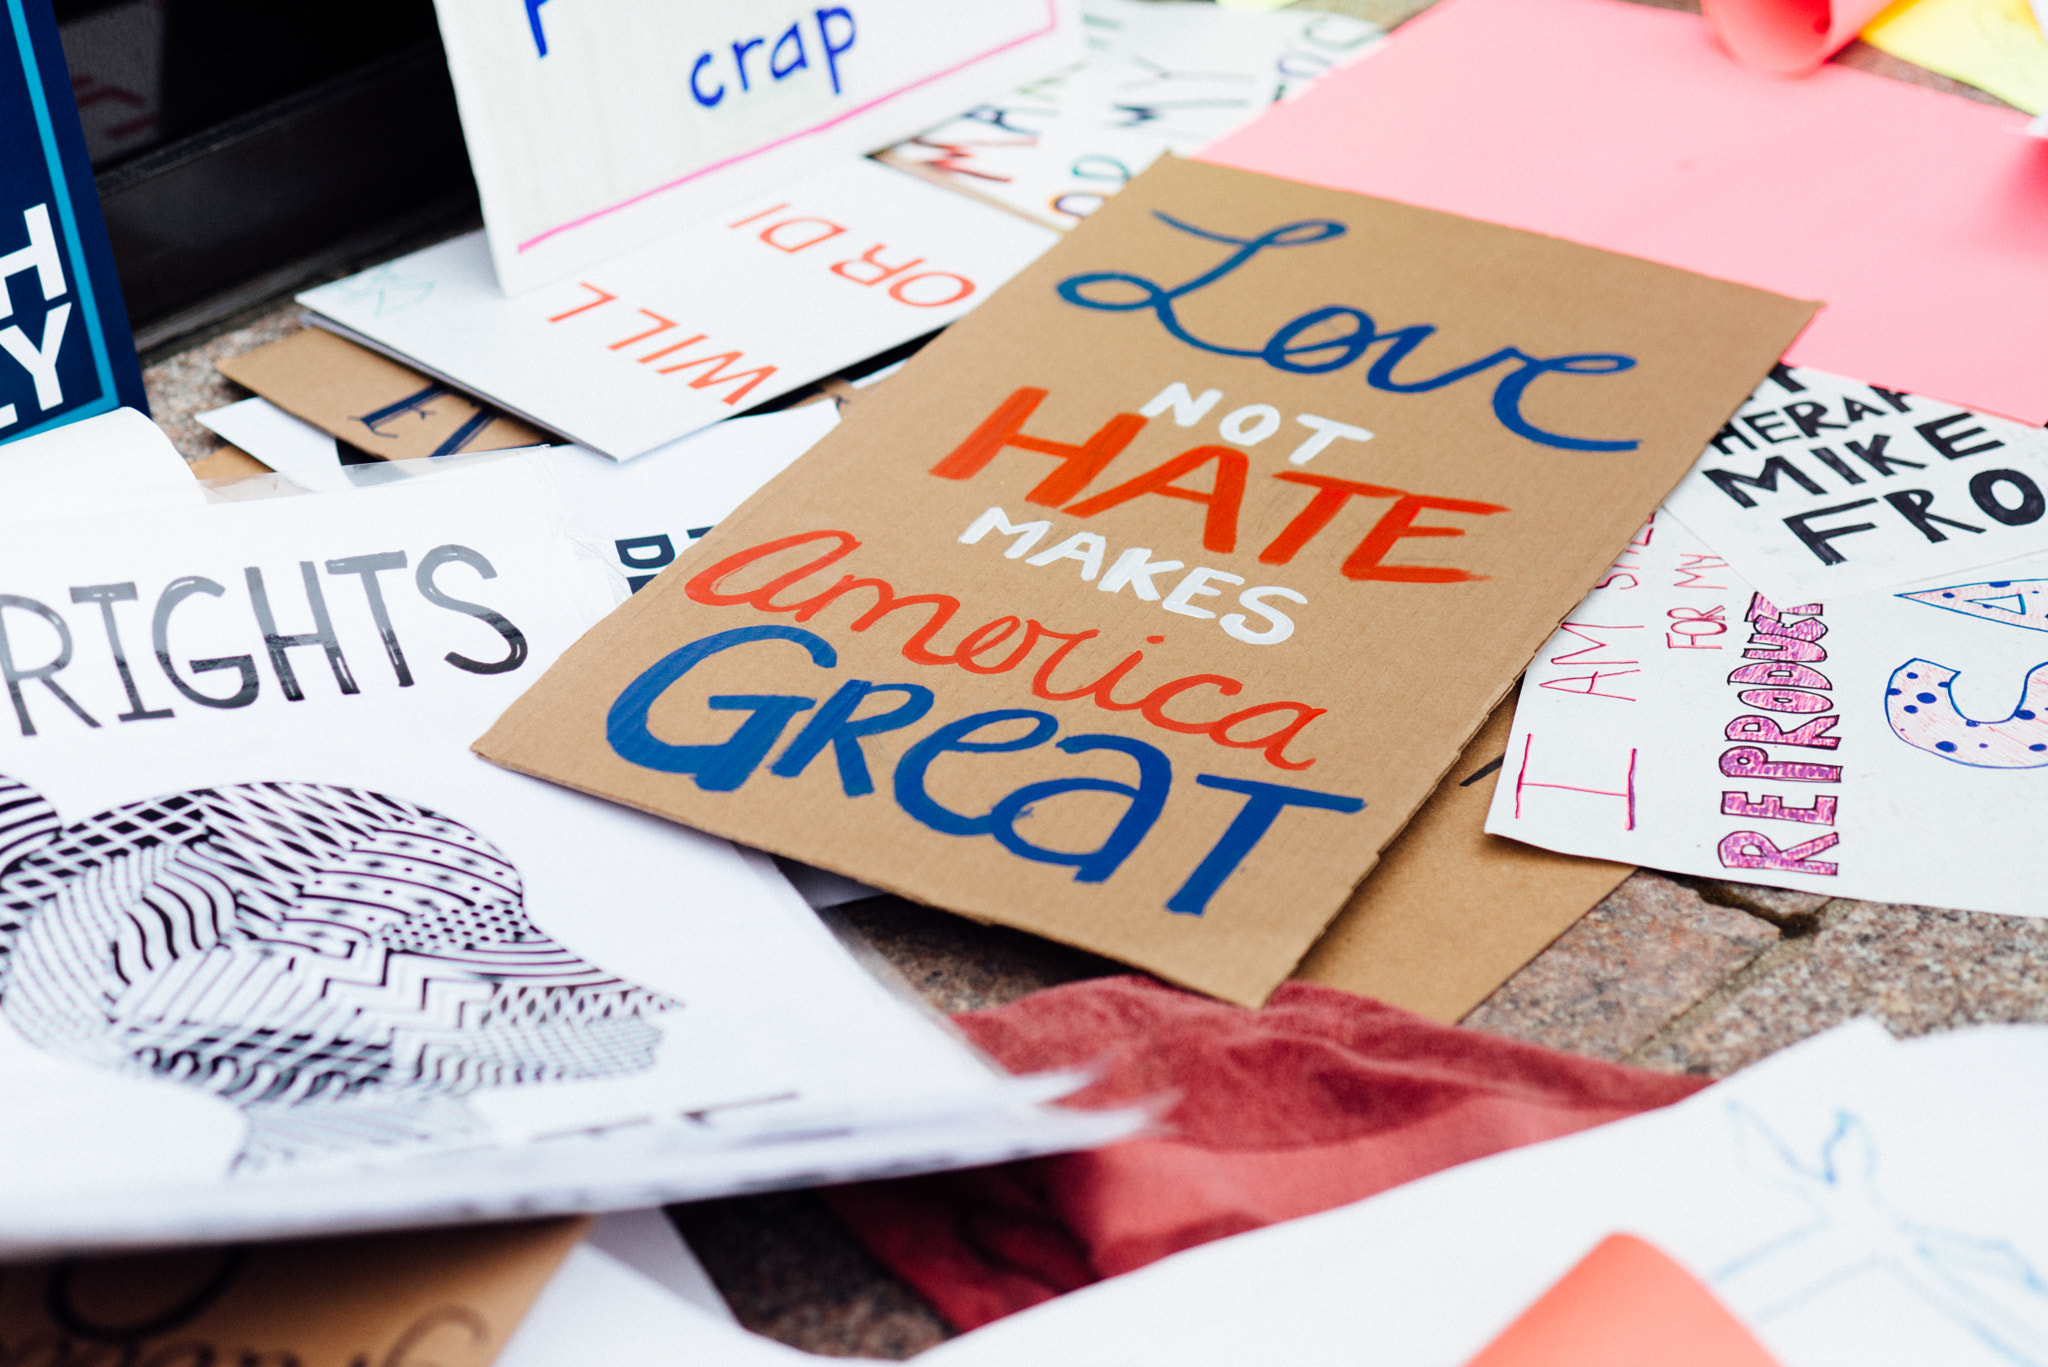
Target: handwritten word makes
x=727, y=765
x=1794, y=711
x=1249, y=424
x=1332, y=337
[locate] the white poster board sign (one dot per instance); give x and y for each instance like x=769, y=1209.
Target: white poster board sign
x=596, y=127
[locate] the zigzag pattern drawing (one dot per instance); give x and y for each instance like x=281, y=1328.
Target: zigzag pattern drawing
x=343, y=965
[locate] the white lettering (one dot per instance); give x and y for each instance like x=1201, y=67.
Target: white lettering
x=1196, y=585
x=41, y=362
x=1326, y=431
x=996, y=520
x=1187, y=409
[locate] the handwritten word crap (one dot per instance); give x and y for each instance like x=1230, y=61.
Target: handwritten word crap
x=737, y=67
x=714, y=75
x=839, y=726
x=1796, y=711
x=37, y=641
x=38, y=356
x=1079, y=464
x=1334, y=336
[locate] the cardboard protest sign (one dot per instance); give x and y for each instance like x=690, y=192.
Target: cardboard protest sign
x=372, y=402
x=1064, y=519
x=595, y=129
x=450, y=1296
x=1821, y=486
x=1884, y=745
x=1450, y=913
x=65, y=352
x=651, y=346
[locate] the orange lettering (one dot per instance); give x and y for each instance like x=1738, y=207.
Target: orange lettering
x=1219, y=527
x=1005, y=427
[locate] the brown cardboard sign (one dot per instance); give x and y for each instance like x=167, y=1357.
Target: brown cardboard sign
x=371, y=401
x=1145, y=606
x=449, y=1297
x=1450, y=912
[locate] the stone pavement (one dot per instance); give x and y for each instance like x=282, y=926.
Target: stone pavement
x=1680, y=974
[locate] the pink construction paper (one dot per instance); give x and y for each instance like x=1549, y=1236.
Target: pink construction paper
x=1787, y=37
x=1920, y=218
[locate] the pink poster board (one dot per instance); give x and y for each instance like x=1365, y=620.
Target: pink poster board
x=1921, y=218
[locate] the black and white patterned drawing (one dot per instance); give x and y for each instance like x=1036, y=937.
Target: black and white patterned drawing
x=344, y=966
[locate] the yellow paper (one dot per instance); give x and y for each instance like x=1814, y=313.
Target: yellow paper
x=1994, y=45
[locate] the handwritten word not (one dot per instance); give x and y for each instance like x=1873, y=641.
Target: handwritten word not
x=994, y=647
x=1332, y=337
x=1249, y=424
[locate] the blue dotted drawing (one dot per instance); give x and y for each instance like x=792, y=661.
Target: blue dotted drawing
x=1920, y=705
x=1985, y=1286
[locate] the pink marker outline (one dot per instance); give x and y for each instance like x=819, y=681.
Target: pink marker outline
x=1051, y=23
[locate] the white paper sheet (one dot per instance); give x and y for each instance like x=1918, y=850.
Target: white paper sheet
x=1883, y=745
x=637, y=516
x=645, y=348
x=282, y=956
x=1160, y=76
x=1858, y=1202
x=1821, y=486
x=649, y=1242
x=291, y=446
x=1844, y=1198
x=597, y=129
x=114, y=462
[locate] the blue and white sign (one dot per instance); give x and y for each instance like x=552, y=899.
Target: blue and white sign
x=65, y=351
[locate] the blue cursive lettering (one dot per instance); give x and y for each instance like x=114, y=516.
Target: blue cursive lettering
x=1332, y=337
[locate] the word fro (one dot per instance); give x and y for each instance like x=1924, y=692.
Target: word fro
x=197, y=681
x=1332, y=337
x=837, y=725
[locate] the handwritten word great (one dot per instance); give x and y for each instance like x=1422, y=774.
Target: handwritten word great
x=727, y=765
x=19, y=667
x=1332, y=337
x=995, y=647
x=1080, y=463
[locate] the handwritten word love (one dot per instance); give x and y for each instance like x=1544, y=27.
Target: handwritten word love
x=1332, y=337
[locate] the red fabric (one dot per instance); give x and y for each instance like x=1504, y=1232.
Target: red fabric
x=1318, y=1099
